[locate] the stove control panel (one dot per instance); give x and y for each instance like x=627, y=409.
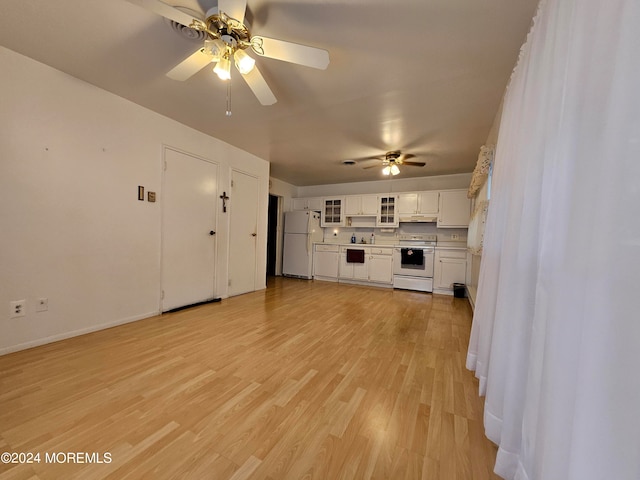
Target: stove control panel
x=418, y=238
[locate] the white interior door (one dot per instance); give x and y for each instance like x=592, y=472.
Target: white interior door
x=243, y=233
x=188, y=229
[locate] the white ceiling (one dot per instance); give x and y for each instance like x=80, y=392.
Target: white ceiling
x=423, y=76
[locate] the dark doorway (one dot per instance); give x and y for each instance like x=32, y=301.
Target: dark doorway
x=272, y=235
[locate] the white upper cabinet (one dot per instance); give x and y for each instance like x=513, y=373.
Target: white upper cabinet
x=315, y=204
x=418, y=203
x=369, y=205
x=308, y=203
x=408, y=203
x=455, y=209
x=361, y=205
x=298, y=204
x=332, y=214
x=387, y=211
x=428, y=203
x=451, y=207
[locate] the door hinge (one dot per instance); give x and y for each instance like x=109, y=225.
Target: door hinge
x=162, y=295
x=229, y=283
x=165, y=165
x=232, y=183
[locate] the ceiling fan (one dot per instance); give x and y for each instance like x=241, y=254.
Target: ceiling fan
x=392, y=160
x=227, y=38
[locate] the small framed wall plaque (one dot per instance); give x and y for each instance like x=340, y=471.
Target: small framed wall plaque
x=151, y=196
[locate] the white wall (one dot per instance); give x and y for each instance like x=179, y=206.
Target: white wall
x=284, y=190
x=71, y=158
x=440, y=182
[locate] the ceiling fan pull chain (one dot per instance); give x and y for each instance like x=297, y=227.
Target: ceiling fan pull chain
x=228, y=112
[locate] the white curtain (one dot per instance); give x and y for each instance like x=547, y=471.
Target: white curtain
x=556, y=330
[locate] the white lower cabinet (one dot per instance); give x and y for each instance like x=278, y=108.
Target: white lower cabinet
x=350, y=270
x=325, y=262
x=450, y=266
x=376, y=269
x=381, y=267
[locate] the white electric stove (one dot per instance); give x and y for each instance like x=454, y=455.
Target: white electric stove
x=413, y=262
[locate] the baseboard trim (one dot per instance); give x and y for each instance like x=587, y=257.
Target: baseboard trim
x=75, y=333
x=197, y=304
x=472, y=293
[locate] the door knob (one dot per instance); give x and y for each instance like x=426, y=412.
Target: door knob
x=212, y=232
x=254, y=234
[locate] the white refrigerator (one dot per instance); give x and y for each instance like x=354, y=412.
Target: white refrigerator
x=301, y=231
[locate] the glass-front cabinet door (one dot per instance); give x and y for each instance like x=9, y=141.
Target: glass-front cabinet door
x=387, y=211
x=333, y=212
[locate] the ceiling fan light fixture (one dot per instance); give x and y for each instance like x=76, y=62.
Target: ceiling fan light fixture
x=244, y=63
x=214, y=48
x=394, y=169
x=223, y=68
x=386, y=170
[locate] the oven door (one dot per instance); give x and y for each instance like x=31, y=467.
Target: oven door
x=414, y=262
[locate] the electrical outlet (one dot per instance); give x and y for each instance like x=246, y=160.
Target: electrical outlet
x=42, y=305
x=17, y=308
x=454, y=236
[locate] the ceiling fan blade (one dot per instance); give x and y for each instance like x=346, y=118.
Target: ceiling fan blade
x=372, y=162
x=164, y=10
x=414, y=164
x=190, y=66
x=290, y=52
x=259, y=87
x=234, y=8
x=408, y=155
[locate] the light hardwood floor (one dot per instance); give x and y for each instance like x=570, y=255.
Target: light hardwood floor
x=306, y=379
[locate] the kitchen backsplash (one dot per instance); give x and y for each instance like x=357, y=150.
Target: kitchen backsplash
x=382, y=237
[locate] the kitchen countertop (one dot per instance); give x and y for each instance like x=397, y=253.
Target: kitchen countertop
x=388, y=245
x=451, y=245
x=439, y=246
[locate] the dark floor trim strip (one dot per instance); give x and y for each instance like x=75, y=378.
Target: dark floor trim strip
x=177, y=309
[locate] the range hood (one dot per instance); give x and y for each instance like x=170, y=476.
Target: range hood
x=419, y=219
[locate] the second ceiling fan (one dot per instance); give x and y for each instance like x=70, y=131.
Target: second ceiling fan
x=227, y=38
